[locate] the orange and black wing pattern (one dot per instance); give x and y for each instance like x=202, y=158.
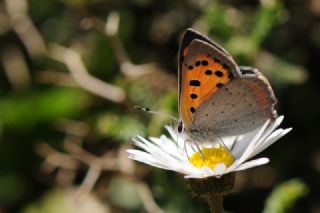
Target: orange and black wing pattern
x=204, y=67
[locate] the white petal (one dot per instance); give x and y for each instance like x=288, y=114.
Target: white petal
x=206, y=171
x=249, y=149
x=156, y=147
x=140, y=142
x=229, y=141
x=146, y=158
x=242, y=142
x=172, y=153
x=270, y=130
x=253, y=163
x=276, y=135
x=202, y=173
x=171, y=131
x=163, y=164
x=161, y=155
x=220, y=169
x=195, y=176
x=165, y=144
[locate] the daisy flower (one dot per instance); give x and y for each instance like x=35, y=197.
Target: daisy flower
x=207, y=160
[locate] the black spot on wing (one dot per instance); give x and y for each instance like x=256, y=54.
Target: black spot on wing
x=208, y=72
x=219, y=85
x=194, y=96
x=204, y=63
x=225, y=66
x=195, y=83
x=218, y=73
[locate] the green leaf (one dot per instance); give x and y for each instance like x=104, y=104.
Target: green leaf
x=285, y=195
x=25, y=111
x=12, y=188
x=217, y=21
x=121, y=127
x=124, y=193
x=66, y=202
x=268, y=16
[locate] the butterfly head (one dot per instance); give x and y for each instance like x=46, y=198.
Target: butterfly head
x=180, y=127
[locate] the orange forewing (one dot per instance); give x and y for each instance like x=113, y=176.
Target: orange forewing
x=209, y=74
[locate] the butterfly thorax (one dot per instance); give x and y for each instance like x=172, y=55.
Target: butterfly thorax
x=201, y=136
x=197, y=135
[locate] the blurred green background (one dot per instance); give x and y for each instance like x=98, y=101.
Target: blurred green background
x=72, y=70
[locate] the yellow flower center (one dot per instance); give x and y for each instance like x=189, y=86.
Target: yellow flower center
x=210, y=157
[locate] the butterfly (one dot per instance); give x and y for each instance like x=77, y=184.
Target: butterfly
x=218, y=98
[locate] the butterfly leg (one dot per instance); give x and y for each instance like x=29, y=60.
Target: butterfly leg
x=225, y=146
x=196, y=148
x=185, y=147
x=222, y=143
x=235, y=141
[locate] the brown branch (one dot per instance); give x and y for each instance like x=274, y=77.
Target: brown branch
x=56, y=158
x=149, y=203
x=110, y=29
x=56, y=78
x=15, y=68
x=80, y=74
x=22, y=24
x=89, y=181
x=77, y=155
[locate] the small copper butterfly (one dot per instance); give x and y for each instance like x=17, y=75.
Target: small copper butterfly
x=218, y=98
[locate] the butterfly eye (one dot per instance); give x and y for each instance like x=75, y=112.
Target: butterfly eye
x=180, y=127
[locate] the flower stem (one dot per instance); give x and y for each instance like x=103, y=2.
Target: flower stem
x=215, y=202
x=212, y=190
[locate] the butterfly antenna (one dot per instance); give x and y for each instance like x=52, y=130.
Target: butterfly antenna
x=146, y=109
